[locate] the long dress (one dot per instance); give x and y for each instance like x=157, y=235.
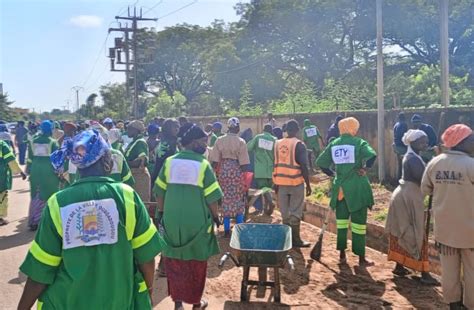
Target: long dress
x=43, y=180
x=405, y=220
x=8, y=165
x=188, y=234
x=138, y=148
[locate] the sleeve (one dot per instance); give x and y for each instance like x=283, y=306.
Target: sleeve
x=213, y=140
x=305, y=136
x=159, y=189
x=325, y=159
x=7, y=153
x=301, y=154
x=146, y=242
x=142, y=149
x=366, y=151
x=251, y=144
x=212, y=190
x=44, y=257
x=215, y=155
x=433, y=139
x=470, y=172
x=126, y=174
x=426, y=182
x=30, y=156
x=244, y=158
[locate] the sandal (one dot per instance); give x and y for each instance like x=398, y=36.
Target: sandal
x=202, y=305
x=401, y=272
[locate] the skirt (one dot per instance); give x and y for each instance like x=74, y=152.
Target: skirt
x=3, y=204
x=397, y=254
x=186, y=279
x=230, y=180
x=142, y=183
x=36, y=208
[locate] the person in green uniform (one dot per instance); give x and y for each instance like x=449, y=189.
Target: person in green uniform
x=187, y=194
x=8, y=166
x=43, y=179
x=114, y=138
x=262, y=146
x=351, y=190
x=96, y=244
x=216, y=133
x=313, y=140
x=136, y=155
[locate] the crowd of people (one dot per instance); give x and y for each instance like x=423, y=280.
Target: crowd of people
x=108, y=197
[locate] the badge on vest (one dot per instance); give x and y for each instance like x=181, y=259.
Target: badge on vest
x=117, y=166
x=184, y=171
x=72, y=168
x=311, y=132
x=89, y=223
x=265, y=144
x=40, y=149
x=343, y=154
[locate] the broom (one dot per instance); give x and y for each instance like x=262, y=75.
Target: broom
x=318, y=247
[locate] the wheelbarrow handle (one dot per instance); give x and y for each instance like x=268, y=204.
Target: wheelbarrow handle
x=290, y=261
x=223, y=259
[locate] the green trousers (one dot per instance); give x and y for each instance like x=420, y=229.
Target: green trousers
x=358, y=221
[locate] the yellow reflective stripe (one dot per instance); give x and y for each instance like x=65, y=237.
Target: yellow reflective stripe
x=29, y=161
x=142, y=287
x=8, y=155
x=127, y=177
x=43, y=256
x=161, y=184
x=142, y=154
x=54, y=212
x=202, y=172
x=209, y=230
x=211, y=188
x=342, y=224
x=39, y=305
x=130, y=219
x=144, y=238
x=358, y=228
x=168, y=168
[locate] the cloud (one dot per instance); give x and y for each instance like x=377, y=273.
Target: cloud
x=86, y=21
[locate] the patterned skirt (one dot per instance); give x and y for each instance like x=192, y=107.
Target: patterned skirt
x=36, y=208
x=230, y=180
x=186, y=279
x=397, y=254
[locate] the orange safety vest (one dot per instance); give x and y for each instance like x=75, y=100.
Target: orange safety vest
x=286, y=171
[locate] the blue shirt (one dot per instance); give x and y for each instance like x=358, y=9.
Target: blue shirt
x=398, y=131
x=333, y=131
x=430, y=132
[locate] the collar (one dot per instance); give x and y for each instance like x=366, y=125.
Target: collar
x=453, y=152
x=94, y=180
x=190, y=152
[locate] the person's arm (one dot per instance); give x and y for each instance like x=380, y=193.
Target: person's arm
x=244, y=158
x=302, y=159
x=426, y=182
x=324, y=161
x=31, y=293
x=212, y=193
x=148, y=271
x=126, y=174
x=252, y=143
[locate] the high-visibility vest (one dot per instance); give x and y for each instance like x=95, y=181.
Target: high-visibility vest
x=286, y=170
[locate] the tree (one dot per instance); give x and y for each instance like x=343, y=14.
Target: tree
x=115, y=102
x=5, y=111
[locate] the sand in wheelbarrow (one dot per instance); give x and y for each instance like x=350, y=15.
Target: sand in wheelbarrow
x=314, y=285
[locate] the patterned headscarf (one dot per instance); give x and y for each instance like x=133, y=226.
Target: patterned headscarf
x=190, y=132
x=84, y=150
x=47, y=127
x=348, y=125
x=412, y=135
x=233, y=122
x=455, y=134
x=138, y=125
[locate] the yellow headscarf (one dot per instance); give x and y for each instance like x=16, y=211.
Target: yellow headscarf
x=349, y=125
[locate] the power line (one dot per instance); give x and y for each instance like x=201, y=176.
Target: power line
x=153, y=7
x=179, y=9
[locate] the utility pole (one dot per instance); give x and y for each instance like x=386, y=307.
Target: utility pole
x=77, y=89
x=126, y=49
x=380, y=102
x=444, y=51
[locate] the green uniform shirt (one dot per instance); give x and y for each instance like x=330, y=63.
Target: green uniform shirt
x=348, y=154
x=137, y=148
x=214, y=138
x=42, y=175
x=6, y=156
x=91, y=238
x=263, y=147
x=188, y=185
x=117, y=145
x=311, y=137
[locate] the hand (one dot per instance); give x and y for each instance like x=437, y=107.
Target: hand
x=23, y=175
x=217, y=221
x=362, y=172
x=275, y=188
x=309, y=191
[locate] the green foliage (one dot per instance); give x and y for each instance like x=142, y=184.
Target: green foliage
x=6, y=114
x=165, y=105
x=115, y=102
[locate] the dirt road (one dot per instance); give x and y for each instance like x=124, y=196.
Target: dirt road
x=325, y=285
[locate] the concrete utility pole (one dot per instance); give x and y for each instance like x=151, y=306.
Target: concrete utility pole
x=380, y=102
x=444, y=50
x=126, y=49
x=77, y=89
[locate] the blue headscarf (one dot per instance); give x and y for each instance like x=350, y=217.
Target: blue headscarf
x=3, y=128
x=84, y=150
x=47, y=127
x=153, y=129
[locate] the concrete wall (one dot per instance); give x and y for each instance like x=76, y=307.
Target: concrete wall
x=368, y=128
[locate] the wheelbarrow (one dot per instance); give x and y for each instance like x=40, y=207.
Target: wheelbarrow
x=263, y=246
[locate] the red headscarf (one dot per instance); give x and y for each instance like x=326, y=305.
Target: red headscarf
x=455, y=134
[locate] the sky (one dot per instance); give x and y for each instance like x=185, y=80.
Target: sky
x=49, y=46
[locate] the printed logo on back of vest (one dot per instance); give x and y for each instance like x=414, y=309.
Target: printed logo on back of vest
x=311, y=132
x=40, y=149
x=90, y=223
x=265, y=144
x=343, y=154
x=184, y=171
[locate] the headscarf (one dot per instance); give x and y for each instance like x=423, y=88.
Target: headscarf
x=114, y=135
x=138, y=125
x=153, y=129
x=84, y=150
x=190, y=132
x=412, y=135
x=455, y=134
x=247, y=135
x=108, y=120
x=68, y=126
x=307, y=122
x=416, y=118
x=47, y=127
x=348, y=125
x=233, y=122
x=338, y=119
x=278, y=133
x=3, y=128
x=217, y=125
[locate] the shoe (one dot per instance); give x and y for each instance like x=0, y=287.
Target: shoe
x=3, y=222
x=33, y=227
x=456, y=306
x=269, y=211
x=295, y=234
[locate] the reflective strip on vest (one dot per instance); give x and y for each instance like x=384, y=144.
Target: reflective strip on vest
x=44, y=257
x=130, y=219
x=142, y=287
x=145, y=237
x=287, y=171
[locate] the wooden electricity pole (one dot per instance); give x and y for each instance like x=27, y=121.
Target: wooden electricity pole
x=380, y=102
x=129, y=48
x=444, y=51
